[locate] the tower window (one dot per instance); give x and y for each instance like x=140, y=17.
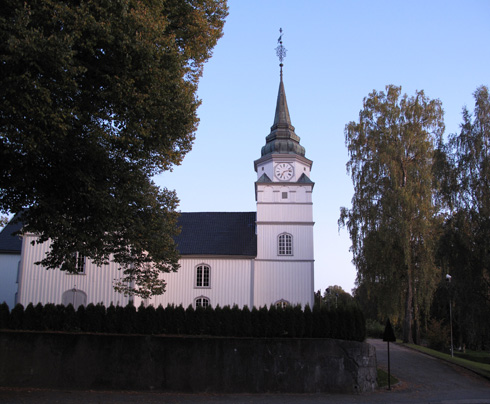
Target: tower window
x=284, y=195
x=285, y=244
x=203, y=276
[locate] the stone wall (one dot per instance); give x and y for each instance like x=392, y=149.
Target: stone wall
x=185, y=364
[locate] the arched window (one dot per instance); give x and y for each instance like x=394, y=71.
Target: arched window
x=201, y=301
x=75, y=297
x=281, y=304
x=285, y=244
x=203, y=276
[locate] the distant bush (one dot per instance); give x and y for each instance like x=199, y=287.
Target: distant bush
x=265, y=322
x=438, y=335
x=374, y=329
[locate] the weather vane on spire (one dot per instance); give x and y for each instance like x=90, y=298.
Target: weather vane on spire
x=280, y=50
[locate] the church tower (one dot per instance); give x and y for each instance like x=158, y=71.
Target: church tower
x=284, y=266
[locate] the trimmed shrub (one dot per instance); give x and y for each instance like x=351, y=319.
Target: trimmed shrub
x=70, y=319
x=30, y=320
x=190, y=320
x=308, y=316
x=95, y=321
x=218, y=321
x=111, y=319
x=299, y=322
x=17, y=317
x=82, y=318
x=160, y=322
x=226, y=322
x=128, y=320
x=176, y=319
x=289, y=322
x=4, y=316
x=246, y=323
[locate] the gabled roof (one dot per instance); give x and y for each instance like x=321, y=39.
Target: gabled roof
x=304, y=179
x=264, y=178
x=10, y=244
x=217, y=233
x=203, y=233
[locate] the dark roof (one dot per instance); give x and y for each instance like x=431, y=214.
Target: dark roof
x=264, y=178
x=282, y=139
x=10, y=244
x=203, y=233
x=304, y=179
x=217, y=233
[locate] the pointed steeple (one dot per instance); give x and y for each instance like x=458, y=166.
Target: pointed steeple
x=282, y=111
x=282, y=139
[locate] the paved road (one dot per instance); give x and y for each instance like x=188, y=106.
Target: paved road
x=424, y=380
x=427, y=380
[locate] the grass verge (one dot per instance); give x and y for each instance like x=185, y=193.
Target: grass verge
x=483, y=369
x=382, y=379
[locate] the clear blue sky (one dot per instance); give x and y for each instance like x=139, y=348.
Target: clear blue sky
x=338, y=52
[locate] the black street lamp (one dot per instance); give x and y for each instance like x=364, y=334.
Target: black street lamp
x=448, y=279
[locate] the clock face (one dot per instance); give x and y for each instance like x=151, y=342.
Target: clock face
x=284, y=171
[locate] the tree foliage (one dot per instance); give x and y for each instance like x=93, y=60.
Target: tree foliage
x=333, y=296
x=96, y=97
x=464, y=250
x=392, y=150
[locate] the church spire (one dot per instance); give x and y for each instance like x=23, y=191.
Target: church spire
x=282, y=139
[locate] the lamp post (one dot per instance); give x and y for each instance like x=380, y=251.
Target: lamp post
x=448, y=279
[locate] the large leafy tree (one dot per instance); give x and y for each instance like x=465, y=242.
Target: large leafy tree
x=96, y=97
x=465, y=246
x=392, y=220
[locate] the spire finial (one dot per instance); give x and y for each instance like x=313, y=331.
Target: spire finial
x=280, y=50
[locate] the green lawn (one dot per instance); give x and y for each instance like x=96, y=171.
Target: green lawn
x=474, y=356
x=482, y=369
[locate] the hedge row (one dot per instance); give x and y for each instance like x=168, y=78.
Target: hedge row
x=343, y=323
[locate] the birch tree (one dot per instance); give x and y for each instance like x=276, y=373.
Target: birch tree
x=465, y=247
x=392, y=221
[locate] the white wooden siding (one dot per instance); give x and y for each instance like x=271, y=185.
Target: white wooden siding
x=273, y=193
x=39, y=285
x=291, y=281
x=231, y=281
x=302, y=241
x=285, y=213
x=9, y=265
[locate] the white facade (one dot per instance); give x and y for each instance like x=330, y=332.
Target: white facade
x=39, y=285
x=277, y=269
x=9, y=267
x=284, y=208
x=10, y=248
x=230, y=283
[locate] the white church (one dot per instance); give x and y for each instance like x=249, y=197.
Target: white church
x=227, y=258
